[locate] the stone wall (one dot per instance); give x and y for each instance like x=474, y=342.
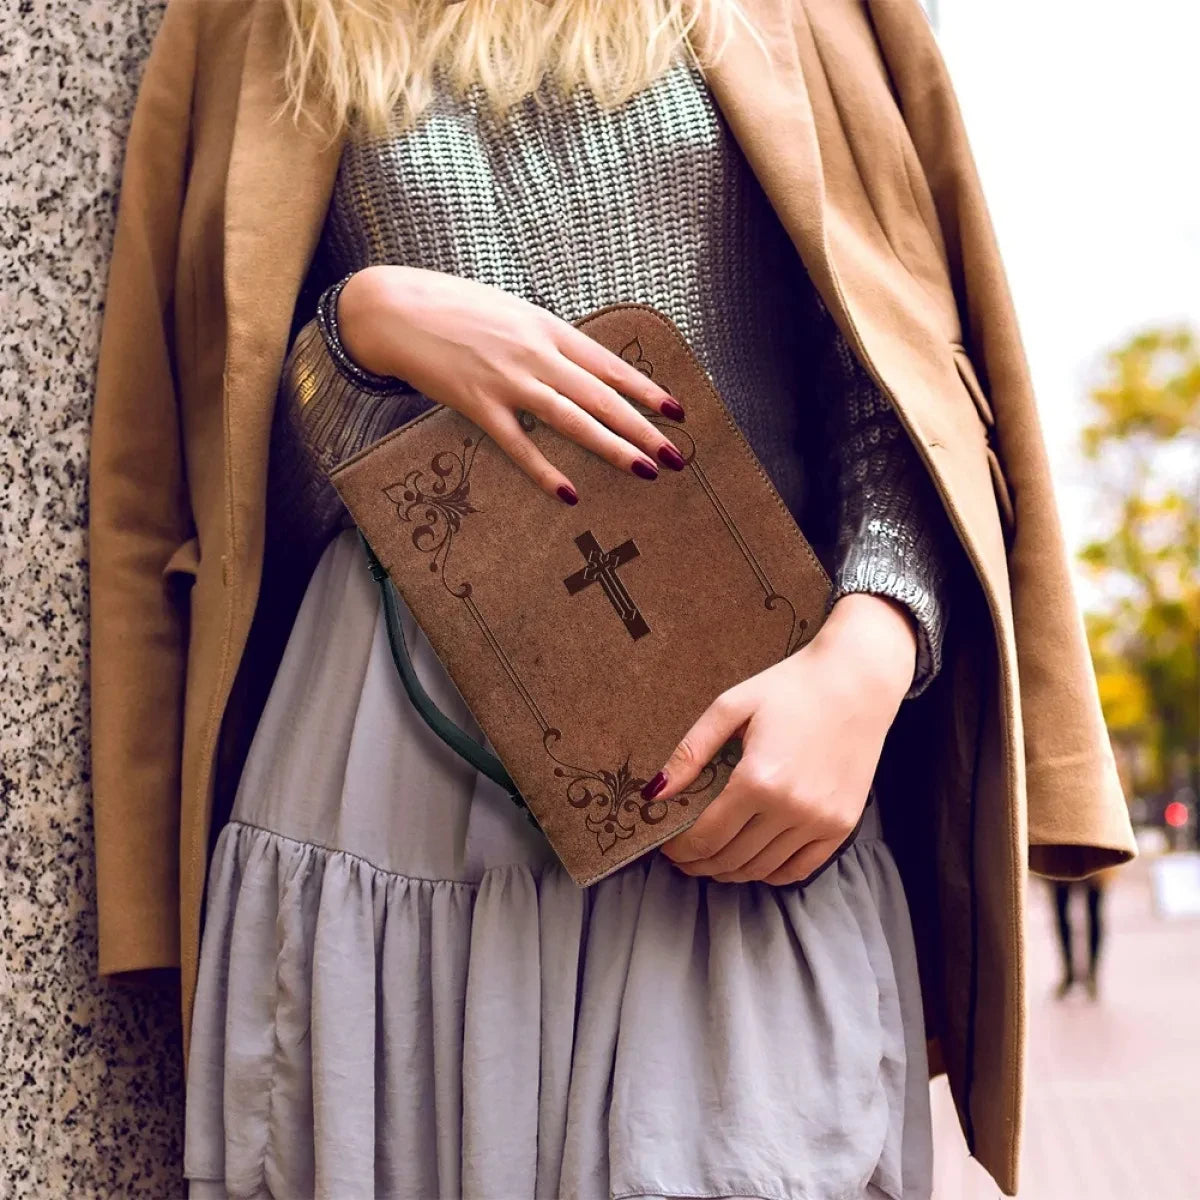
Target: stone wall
x=90, y=1079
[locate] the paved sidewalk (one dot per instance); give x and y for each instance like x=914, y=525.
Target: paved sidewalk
x=1113, y=1108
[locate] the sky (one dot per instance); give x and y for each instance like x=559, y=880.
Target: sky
x=1083, y=117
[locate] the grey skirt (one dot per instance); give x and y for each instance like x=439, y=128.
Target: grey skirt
x=402, y=994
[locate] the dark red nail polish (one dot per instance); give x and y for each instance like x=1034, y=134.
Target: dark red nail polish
x=655, y=786
x=673, y=410
x=567, y=494
x=647, y=470
x=671, y=457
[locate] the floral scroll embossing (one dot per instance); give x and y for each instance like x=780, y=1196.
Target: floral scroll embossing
x=438, y=497
x=611, y=800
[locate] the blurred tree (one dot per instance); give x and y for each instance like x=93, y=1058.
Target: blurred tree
x=1144, y=442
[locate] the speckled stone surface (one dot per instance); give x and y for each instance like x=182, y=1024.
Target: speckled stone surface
x=90, y=1079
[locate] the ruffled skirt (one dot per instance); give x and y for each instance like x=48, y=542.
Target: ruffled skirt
x=402, y=994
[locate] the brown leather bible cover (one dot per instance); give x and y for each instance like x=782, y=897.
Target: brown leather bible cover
x=587, y=639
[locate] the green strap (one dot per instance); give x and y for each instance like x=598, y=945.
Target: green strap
x=456, y=738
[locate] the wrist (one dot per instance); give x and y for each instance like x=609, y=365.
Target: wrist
x=875, y=638
x=370, y=311
x=359, y=298
x=345, y=346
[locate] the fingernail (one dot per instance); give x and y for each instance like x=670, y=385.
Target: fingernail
x=672, y=457
x=673, y=410
x=644, y=468
x=567, y=494
x=655, y=786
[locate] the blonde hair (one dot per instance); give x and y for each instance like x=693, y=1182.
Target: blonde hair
x=372, y=60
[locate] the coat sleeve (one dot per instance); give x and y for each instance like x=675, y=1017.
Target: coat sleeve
x=1078, y=819
x=140, y=530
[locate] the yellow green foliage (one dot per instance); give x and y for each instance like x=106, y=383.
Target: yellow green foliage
x=1144, y=442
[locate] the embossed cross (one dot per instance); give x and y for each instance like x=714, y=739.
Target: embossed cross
x=602, y=566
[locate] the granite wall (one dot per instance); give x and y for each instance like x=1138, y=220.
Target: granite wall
x=90, y=1085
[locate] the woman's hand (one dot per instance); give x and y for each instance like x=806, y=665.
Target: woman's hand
x=490, y=354
x=812, y=728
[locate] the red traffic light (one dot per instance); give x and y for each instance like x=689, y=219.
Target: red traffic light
x=1176, y=814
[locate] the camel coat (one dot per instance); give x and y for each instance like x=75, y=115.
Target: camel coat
x=854, y=133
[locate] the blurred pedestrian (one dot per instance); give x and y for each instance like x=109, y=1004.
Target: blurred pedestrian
x=1093, y=887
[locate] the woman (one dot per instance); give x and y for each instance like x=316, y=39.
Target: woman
x=406, y=886
x=1093, y=889
x=398, y=994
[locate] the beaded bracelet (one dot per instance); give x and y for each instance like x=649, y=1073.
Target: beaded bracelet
x=328, y=324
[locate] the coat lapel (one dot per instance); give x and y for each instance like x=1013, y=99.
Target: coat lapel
x=279, y=185
x=764, y=99
x=832, y=169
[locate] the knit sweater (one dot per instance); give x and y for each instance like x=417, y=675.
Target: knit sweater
x=573, y=206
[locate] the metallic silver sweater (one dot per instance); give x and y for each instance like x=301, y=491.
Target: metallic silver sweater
x=574, y=207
